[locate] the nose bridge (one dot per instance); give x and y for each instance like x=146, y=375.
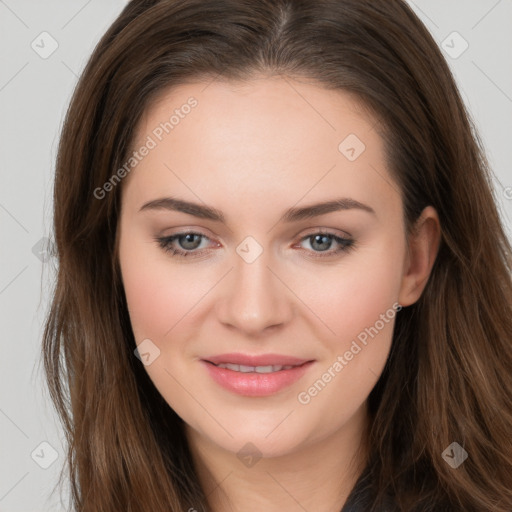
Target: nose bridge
x=254, y=298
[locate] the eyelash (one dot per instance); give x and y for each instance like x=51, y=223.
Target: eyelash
x=346, y=244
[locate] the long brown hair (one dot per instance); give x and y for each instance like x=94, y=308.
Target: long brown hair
x=448, y=377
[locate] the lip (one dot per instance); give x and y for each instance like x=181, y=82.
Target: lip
x=254, y=384
x=256, y=360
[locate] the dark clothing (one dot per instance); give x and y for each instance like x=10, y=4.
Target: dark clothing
x=360, y=498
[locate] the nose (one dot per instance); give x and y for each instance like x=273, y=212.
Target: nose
x=254, y=298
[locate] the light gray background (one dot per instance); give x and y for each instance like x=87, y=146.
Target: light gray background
x=34, y=93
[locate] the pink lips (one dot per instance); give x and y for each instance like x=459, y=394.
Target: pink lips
x=263, y=360
x=252, y=383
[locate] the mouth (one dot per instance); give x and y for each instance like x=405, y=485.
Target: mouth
x=256, y=376
x=255, y=361
x=253, y=369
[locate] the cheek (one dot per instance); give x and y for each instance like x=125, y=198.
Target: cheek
x=158, y=293
x=352, y=296
x=360, y=306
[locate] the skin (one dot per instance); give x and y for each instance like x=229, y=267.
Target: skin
x=253, y=150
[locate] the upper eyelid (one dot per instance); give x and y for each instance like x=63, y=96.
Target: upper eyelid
x=310, y=231
x=346, y=244
x=314, y=231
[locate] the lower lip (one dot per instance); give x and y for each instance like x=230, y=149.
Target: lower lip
x=256, y=384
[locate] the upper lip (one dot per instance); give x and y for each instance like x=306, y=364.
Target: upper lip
x=257, y=360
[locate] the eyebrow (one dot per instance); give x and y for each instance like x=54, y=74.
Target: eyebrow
x=290, y=215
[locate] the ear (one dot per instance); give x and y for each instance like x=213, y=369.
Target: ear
x=422, y=250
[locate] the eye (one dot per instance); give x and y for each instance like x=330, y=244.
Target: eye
x=188, y=244
x=322, y=241
x=188, y=241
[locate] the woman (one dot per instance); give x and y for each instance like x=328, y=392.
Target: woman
x=339, y=338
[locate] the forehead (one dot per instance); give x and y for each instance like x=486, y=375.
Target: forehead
x=266, y=139
x=303, y=107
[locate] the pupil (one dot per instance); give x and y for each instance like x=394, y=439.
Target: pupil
x=324, y=237
x=188, y=240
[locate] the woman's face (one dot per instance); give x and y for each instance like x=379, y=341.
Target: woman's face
x=267, y=277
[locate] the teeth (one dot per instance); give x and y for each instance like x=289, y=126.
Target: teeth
x=254, y=369
x=267, y=369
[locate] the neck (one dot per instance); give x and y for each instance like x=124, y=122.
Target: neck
x=318, y=475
